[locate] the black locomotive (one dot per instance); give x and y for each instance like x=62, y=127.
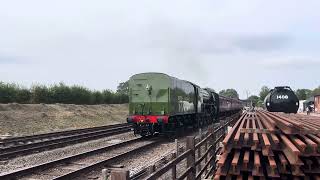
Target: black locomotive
x=282, y=99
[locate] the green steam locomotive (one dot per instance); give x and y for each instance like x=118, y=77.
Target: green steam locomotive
x=159, y=103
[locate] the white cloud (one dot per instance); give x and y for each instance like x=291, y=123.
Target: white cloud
x=290, y=62
x=219, y=44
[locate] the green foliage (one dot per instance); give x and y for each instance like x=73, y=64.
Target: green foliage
x=263, y=92
x=97, y=97
x=212, y=90
x=303, y=94
x=123, y=88
x=59, y=93
x=122, y=93
x=232, y=93
x=108, y=96
x=316, y=91
x=254, y=99
x=23, y=96
x=40, y=94
x=81, y=95
x=120, y=98
x=7, y=92
x=260, y=103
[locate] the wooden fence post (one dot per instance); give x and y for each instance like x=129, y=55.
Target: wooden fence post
x=225, y=127
x=151, y=169
x=210, y=129
x=177, y=147
x=206, y=158
x=199, y=149
x=104, y=174
x=214, y=137
x=174, y=168
x=221, y=123
x=120, y=175
x=191, y=158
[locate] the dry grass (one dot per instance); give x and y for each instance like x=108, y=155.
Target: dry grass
x=28, y=119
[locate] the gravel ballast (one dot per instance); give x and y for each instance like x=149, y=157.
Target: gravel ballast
x=46, y=156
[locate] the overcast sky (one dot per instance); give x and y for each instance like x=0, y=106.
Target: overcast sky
x=218, y=44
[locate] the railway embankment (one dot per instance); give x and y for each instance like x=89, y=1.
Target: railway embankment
x=29, y=119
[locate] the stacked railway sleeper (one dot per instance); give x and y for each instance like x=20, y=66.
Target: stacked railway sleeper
x=264, y=145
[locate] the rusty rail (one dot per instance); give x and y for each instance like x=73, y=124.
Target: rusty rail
x=272, y=145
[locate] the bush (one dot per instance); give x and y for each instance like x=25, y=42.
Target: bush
x=81, y=95
x=7, y=92
x=23, y=96
x=121, y=98
x=40, y=94
x=97, y=97
x=59, y=93
x=108, y=96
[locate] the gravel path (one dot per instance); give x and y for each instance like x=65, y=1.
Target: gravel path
x=46, y=156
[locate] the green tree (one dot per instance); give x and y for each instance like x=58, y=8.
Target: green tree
x=316, y=91
x=121, y=98
x=123, y=88
x=263, y=92
x=260, y=103
x=254, y=99
x=40, y=94
x=97, y=97
x=212, y=90
x=108, y=96
x=60, y=93
x=81, y=95
x=122, y=94
x=7, y=92
x=23, y=96
x=232, y=93
x=303, y=94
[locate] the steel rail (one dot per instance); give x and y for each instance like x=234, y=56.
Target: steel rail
x=67, y=160
x=18, y=150
x=39, y=137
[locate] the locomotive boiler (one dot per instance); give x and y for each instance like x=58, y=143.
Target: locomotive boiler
x=282, y=99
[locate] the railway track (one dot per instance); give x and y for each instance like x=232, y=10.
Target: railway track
x=75, y=165
x=18, y=146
